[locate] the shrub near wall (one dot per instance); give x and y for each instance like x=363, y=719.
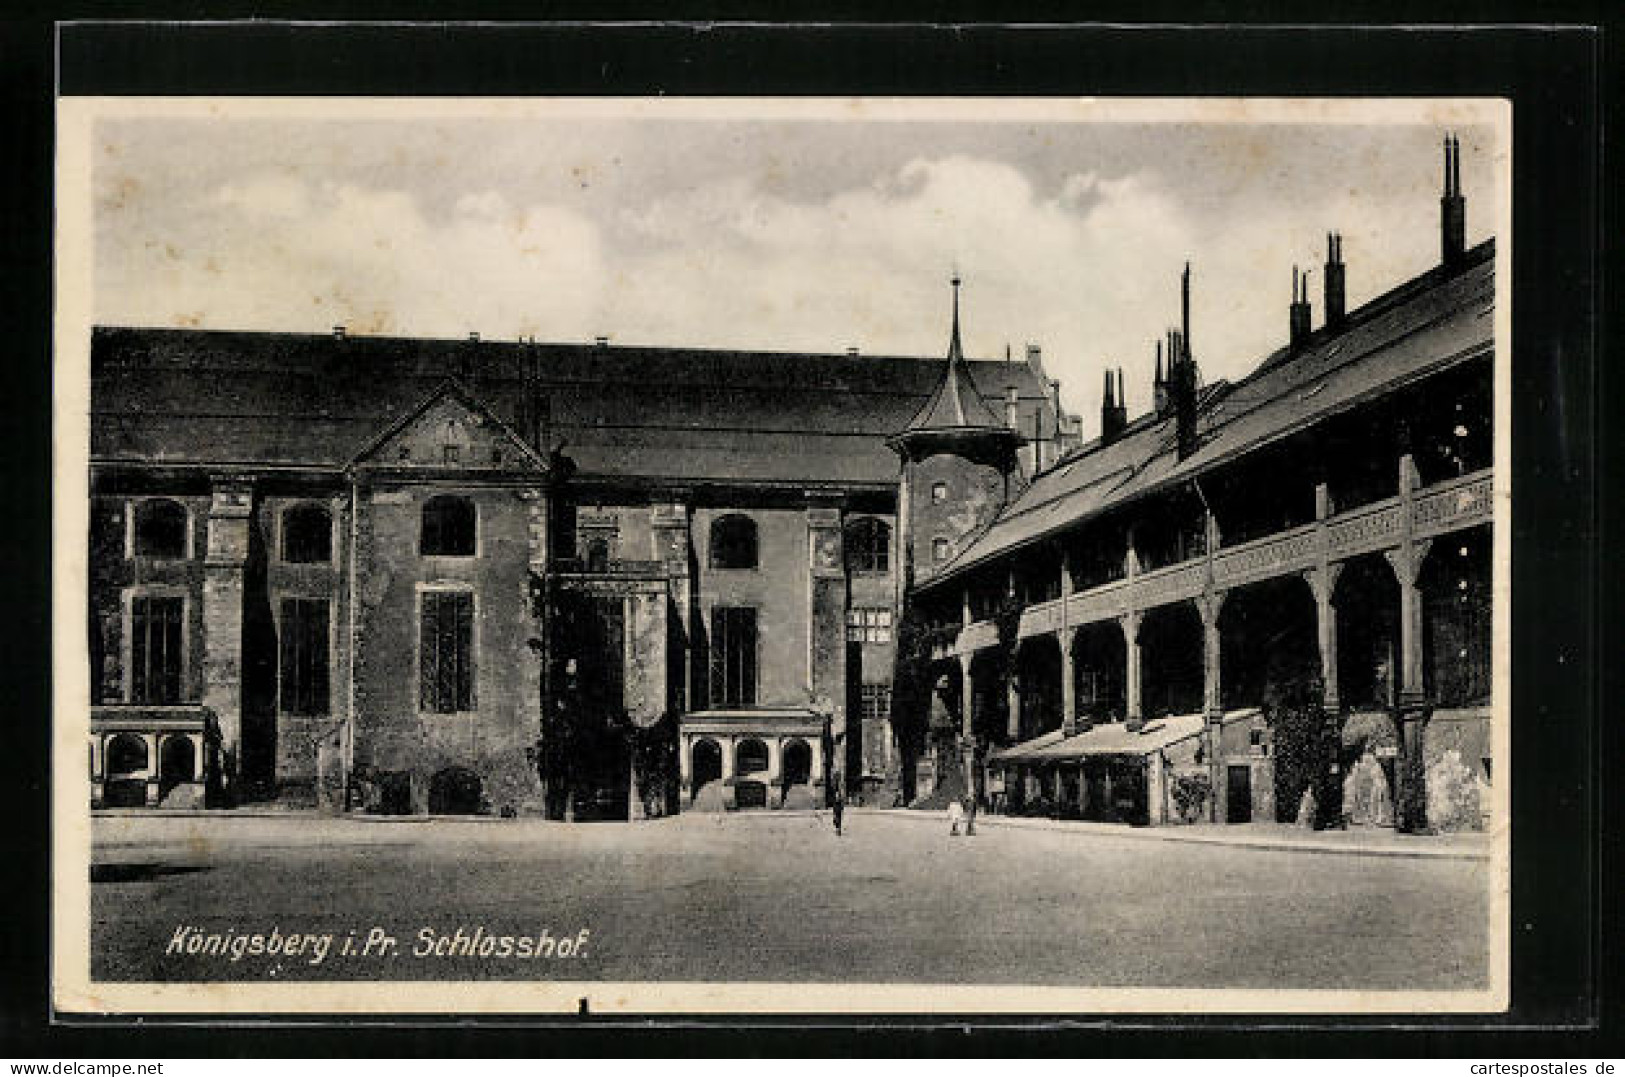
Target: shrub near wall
x=1190, y=790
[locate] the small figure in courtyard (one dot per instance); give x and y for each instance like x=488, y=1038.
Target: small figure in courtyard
x=837, y=810
x=970, y=816
x=956, y=817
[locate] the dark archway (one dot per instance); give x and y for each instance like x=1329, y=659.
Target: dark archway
x=307, y=534
x=177, y=763
x=1038, y=665
x=1456, y=618
x=1367, y=604
x=1268, y=643
x=705, y=765
x=454, y=791
x=797, y=766
x=126, y=754
x=990, y=702
x=1171, y=660
x=1099, y=671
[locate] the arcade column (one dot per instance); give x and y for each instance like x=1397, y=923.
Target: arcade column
x=826, y=617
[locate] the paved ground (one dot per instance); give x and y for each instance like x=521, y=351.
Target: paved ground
x=765, y=897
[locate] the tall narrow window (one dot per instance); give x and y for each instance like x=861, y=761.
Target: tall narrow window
x=733, y=542
x=304, y=656
x=733, y=656
x=868, y=545
x=160, y=528
x=448, y=527
x=307, y=534
x=446, y=652
x=156, y=655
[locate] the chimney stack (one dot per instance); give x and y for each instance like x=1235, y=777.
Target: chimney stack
x=1159, y=386
x=1452, y=207
x=338, y=332
x=1113, y=416
x=1298, y=313
x=1335, y=296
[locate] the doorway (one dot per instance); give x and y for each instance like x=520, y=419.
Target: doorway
x=1238, y=794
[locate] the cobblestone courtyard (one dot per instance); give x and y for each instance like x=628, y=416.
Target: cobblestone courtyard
x=778, y=897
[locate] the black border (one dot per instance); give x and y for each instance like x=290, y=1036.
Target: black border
x=1554, y=76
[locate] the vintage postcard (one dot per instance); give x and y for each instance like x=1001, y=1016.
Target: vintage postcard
x=929, y=556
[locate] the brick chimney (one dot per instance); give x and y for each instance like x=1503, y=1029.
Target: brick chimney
x=1298, y=313
x=1336, y=304
x=1112, y=414
x=1452, y=206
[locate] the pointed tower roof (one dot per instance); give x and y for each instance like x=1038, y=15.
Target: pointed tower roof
x=956, y=419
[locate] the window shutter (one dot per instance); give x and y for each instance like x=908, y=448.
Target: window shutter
x=429, y=653
x=463, y=605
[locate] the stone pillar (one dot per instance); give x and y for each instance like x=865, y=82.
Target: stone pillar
x=229, y=512
x=826, y=620
x=1069, y=688
x=1012, y=694
x=669, y=529
x=154, y=768
x=816, y=777
x=727, y=746
x=967, y=699
x=685, y=768
x=1413, y=709
x=1209, y=606
x=1133, y=708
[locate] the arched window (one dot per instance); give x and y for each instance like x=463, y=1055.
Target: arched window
x=939, y=549
x=868, y=545
x=126, y=754
x=750, y=757
x=307, y=534
x=160, y=528
x=733, y=542
x=448, y=527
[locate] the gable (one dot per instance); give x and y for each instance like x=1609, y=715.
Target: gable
x=450, y=430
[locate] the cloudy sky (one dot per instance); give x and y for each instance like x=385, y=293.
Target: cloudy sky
x=778, y=234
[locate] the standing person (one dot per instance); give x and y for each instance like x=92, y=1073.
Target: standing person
x=970, y=816
x=837, y=810
x=956, y=814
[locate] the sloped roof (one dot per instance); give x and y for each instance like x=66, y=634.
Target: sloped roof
x=206, y=397
x=1434, y=321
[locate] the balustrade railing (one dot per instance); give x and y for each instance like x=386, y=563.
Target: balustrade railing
x=1440, y=508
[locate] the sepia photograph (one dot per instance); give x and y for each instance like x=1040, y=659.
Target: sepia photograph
x=766, y=555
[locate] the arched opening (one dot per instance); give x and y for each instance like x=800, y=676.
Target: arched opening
x=125, y=762
x=868, y=546
x=1456, y=619
x=1367, y=603
x=1099, y=668
x=1171, y=660
x=454, y=791
x=989, y=702
x=706, y=764
x=1038, y=668
x=178, y=763
x=160, y=528
x=449, y=524
x=1366, y=599
x=797, y=763
x=307, y=534
x=126, y=754
x=1268, y=646
x=733, y=542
